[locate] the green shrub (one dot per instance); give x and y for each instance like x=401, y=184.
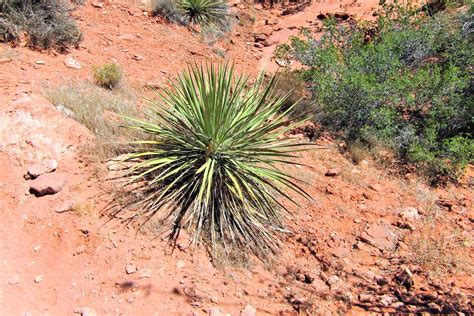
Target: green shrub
x=211, y=164
x=107, y=76
x=405, y=81
x=46, y=23
x=206, y=13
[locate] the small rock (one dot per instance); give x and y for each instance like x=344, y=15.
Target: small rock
x=85, y=311
x=376, y=187
x=131, y=268
x=434, y=307
x=332, y=173
x=397, y=305
x=180, y=264
x=50, y=183
x=72, y=63
x=39, y=278
x=215, y=311
x=409, y=214
x=249, y=310
x=405, y=278
x=40, y=62
x=321, y=16
x=341, y=16
x=145, y=273
x=333, y=280
x=65, y=207
x=138, y=57
x=38, y=169
x=366, y=298
x=37, y=248
x=97, y=5
x=14, y=280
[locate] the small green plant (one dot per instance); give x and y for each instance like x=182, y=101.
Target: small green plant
x=107, y=76
x=211, y=163
x=46, y=23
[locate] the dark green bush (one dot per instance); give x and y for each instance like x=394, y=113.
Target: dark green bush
x=46, y=23
x=108, y=75
x=405, y=81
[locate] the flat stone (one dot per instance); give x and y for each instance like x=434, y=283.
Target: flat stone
x=409, y=214
x=39, y=278
x=249, y=310
x=72, y=63
x=40, y=168
x=66, y=206
x=332, y=173
x=381, y=236
x=14, y=280
x=131, y=268
x=50, y=183
x=85, y=311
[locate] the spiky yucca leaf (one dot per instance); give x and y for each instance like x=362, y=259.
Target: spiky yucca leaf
x=211, y=163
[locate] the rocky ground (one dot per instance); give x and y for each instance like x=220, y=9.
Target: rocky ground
x=368, y=242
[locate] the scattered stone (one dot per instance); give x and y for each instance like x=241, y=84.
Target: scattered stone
x=38, y=169
x=131, y=268
x=138, y=57
x=50, y=183
x=435, y=308
x=343, y=16
x=97, y=5
x=376, y=187
x=386, y=300
x=215, y=311
x=366, y=298
x=40, y=62
x=249, y=310
x=180, y=264
x=65, y=207
x=72, y=63
x=405, y=278
x=340, y=252
x=332, y=173
x=14, y=280
x=397, y=305
x=145, y=273
x=85, y=311
x=321, y=16
x=39, y=278
x=381, y=236
x=409, y=214
x=37, y=248
x=333, y=280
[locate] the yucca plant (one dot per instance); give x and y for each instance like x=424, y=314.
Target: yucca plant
x=210, y=163
x=205, y=12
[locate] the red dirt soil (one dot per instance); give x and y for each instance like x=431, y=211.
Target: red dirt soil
x=347, y=249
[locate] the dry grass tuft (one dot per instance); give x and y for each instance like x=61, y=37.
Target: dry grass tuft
x=100, y=111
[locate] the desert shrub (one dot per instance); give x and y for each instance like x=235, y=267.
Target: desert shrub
x=211, y=164
x=46, y=23
x=107, y=76
x=206, y=13
x=405, y=81
x=99, y=110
